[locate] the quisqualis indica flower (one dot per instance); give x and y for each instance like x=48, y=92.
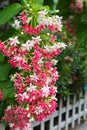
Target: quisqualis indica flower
x=42, y=13
x=33, y=53
x=14, y=41
x=16, y=24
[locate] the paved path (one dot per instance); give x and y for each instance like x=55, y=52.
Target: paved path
x=83, y=126
x=1, y=127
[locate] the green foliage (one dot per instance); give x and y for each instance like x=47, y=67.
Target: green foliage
x=37, y=1
x=24, y=2
x=1, y=58
x=4, y=71
x=8, y=89
x=2, y=108
x=9, y=33
x=9, y=12
x=63, y=6
x=70, y=71
x=84, y=17
x=8, y=95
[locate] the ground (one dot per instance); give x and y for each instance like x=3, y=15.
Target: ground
x=82, y=126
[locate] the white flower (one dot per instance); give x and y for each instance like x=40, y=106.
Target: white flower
x=31, y=119
x=14, y=41
x=34, y=77
x=27, y=127
x=13, y=77
x=38, y=110
x=11, y=124
x=48, y=80
x=45, y=91
x=16, y=24
x=31, y=88
x=24, y=96
x=9, y=107
x=40, y=62
x=37, y=39
x=47, y=48
x=43, y=13
x=26, y=46
x=57, y=22
x=54, y=20
x=28, y=115
x=54, y=61
x=54, y=98
x=30, y=43
x=61, y=45
x=19, y=58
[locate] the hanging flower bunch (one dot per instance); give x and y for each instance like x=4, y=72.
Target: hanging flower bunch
x=32, y=51
x=76, y=5
x=70, y=28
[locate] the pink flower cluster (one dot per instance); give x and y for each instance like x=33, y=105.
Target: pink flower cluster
x=35, y=81
x=51, y=23
x=70, y=28
x=17, y=117
x=76, y=5
x=1, y=95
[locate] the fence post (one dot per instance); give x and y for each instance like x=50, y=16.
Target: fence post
x=79, y=111
x=60, y=113
x=85, y=104
x=42, y=126
x=51, y=123
x=73, y=111
x=67, y=114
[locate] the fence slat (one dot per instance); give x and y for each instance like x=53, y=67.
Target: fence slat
x=67, y=113
x=42, y=126
x=79, y=109
x=60, y=114
x=51, y=123
x=73, y=111
x=85, y=102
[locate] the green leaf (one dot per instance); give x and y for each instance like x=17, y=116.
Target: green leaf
x=2, y=108
x=36, y=7
x=7, y=89
x=38, y=2
x=84, y=17
x=9, y=12
x=9, y=33
x=63, y=6
x=4, y=71
x=33, y=21
x=5, y=84
x=8, y=93
x=24, y=2
x=1, y=57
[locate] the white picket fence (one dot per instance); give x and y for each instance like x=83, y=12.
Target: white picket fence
x=69, y=113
